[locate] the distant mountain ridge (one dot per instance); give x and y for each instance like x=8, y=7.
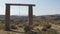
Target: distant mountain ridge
x=2, y=17
x=50, y=18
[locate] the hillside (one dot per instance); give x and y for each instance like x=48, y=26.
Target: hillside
x=50, y=18
x=38, y=25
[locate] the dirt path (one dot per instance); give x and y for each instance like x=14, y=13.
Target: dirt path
x=8, y=32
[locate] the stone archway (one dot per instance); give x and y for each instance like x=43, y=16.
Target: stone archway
x=7, y=14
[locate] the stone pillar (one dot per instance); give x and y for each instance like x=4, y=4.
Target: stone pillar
x=30, y=15
x=7, y=18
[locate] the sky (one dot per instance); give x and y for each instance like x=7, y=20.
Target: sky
x=43, y=7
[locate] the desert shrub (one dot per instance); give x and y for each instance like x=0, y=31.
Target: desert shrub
x=2, y=26
x=27, y=28
x=49, y=31
x=20, y=25
x=25, y=24
x=46, y=27
x=35, y=24
x=13, y=26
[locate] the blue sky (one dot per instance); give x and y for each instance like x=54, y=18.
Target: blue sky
x=43, y=7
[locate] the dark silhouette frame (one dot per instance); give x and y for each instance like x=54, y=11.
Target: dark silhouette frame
x=7, y=14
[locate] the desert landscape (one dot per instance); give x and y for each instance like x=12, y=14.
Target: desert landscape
x=41, y=24
x=29, y=16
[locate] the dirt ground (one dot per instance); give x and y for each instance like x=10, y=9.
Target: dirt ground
x=8, y=32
